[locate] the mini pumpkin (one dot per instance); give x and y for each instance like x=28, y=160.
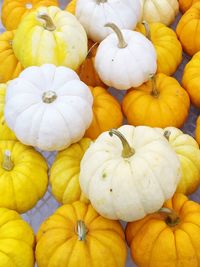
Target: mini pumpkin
x=125, y=59
x=48, y=107
x=130, y=174
x=107, y=113
x=71, y=7
x=13, y=11
x=76, y=236
x=170, y=237
x=50, y=35
x=191, y=79
x=10, y=67
x=166, y=43
x=164, y=11
x=64, y=173
x=23, y=176
x=17, y=240
x=184, y=5
x=161, y=102
x=197, y=131
x=5, y=132
x=188, y=30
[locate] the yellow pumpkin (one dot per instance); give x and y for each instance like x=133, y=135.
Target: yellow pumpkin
x=50, y=35
x=71, y=7
x=167, y=45
x=188, y=30
x=188, y=152
x=161, y=102
x=14, y=10
x=5, y=132
x=197, y=132
x=23, y=176
x=107, y=113
x=191, y=79
x=17, y=240
x=64, y=173
x=77, y=236
x=169, y=238
x=184, y=5
x=10, y=67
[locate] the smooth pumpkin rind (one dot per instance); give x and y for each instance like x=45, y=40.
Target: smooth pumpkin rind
x=184, y=5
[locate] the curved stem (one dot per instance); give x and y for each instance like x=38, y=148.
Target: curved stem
x=7, y=163
x=167, y=134
x=101, y=1
x=147, y=29
x=81, y=230
x=49, y=25
x=127, y=151
x=91, y=48
x=49, y=97
x=171, y=217
x=154, y=91
x=122, y=43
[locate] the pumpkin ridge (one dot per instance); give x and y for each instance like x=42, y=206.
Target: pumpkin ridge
x=20, y=240
x=72, y=180
x=13, y=191
x=8, y=256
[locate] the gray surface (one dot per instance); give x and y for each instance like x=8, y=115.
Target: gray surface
x=48, y=205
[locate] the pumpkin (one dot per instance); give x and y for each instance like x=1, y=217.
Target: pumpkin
x=94, y=15
x=17, y=240
x=14, y=10
x=48, y=107
x=50, y=35
x=188, y=152
x=168, y=47
x=161, y=102
x=197, y=132
x=10, y=67
x=191, y=79
x=64, y=173
x=130, y=174
x=77, y=236
x=164, y=11
x=5, y=132
x=71, y=7
x=189, y=25
x=170, y=237
x=184, y=5
x=107, y=113
x=23, y=176
x=125, y=61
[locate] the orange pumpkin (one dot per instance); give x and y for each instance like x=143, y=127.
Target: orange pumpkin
x=191, y=79
x=197, y=132
x=161, y=102
x=71, y=7
x=76, y=236
x=188, y=30
x=10, y=67
x=167, y=45
x=170, y=238
x=107, y=113
x=184, y=5
x=14, y=10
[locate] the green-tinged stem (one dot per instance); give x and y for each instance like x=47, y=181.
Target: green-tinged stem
x=171, y=217
x=81, y=230
x=122, y=43
x=154, y=91
x=49, y=25
x=49, y=97
x=167, y=134
x=147, y=30
x=7, y=163
x=101, y=1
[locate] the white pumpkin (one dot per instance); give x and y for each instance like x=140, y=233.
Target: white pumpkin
x=48, y=107
x=163, y=11
x=125, y=59
x=128, y=179
x=94, y=14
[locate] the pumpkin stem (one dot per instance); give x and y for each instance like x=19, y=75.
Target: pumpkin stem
x=171, y=217
x=101, y=1
x=7, y=163
x=91, y=48
x=49, y=97
x=49, y=25
x=122, y=43
x=127, y=151
x=154, y=91
x=147, y=29
x=167, y=134
x=81, y=230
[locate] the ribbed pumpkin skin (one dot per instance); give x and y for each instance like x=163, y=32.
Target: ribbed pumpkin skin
x=191, y=79
x=107, y=113
x=155, y=244
x=17, y=240
x=169, y=108
x=184, y=5
x=64, y=173
x=197, y=132
x=13, y=11
x=5, y=132
x=71, y=7
x=58, y=244
x=188, y=30
x=26, y=182
x=10, y=67
x=167, y=45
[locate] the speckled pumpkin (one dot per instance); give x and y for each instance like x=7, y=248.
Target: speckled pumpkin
x=161, y=102
x=170, y=238
x=197, y=131
x=184, y=5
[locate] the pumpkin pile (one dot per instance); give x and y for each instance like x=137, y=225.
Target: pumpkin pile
x=117, y=159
